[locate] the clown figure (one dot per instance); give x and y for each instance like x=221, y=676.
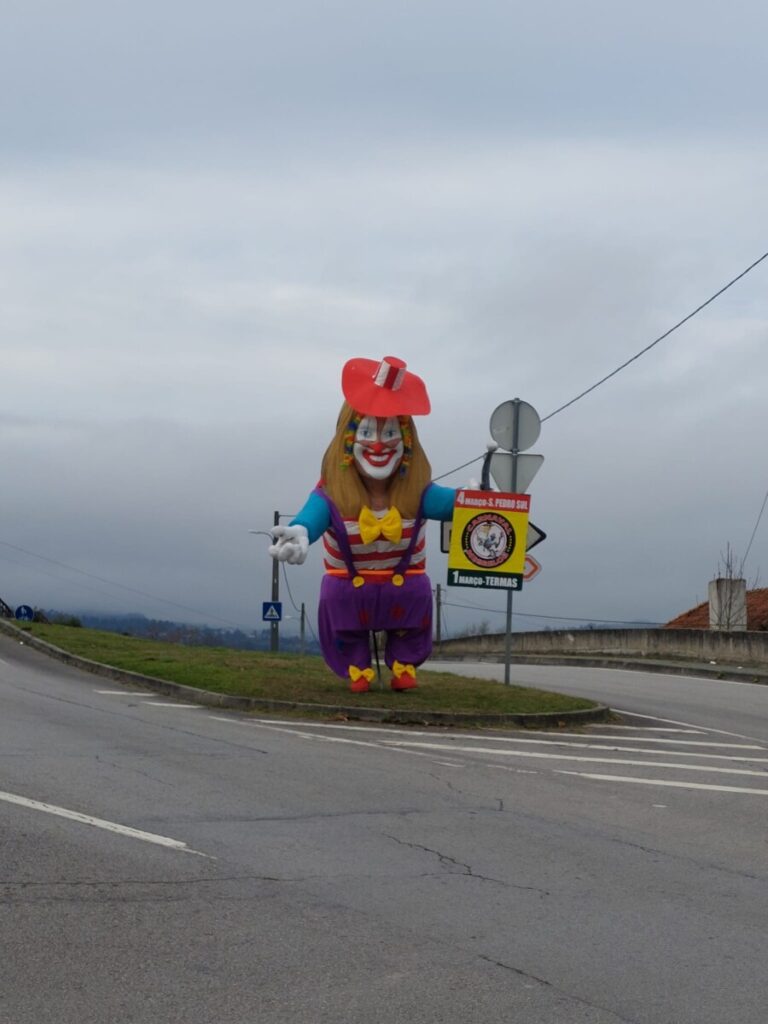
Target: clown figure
x=370, y=507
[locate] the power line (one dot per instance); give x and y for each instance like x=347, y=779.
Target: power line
x=759, y=517
x=296, y=608
x=122, y=586
x=661, y=337
x=456, y=470
x=559, y=618
x=642, y=352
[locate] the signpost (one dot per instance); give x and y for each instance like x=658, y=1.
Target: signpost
x=272, y=611
x=515, y=426
x=24, y=613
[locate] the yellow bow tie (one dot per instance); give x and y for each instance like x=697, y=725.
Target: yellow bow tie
x=389, y=526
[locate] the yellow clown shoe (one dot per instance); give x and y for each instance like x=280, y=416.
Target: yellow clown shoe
x=360, y=679
x=404, y=677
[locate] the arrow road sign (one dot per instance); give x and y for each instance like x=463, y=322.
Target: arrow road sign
x=272, y=611
x=535, y=536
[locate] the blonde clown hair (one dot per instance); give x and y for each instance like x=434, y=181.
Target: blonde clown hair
x=344, y=485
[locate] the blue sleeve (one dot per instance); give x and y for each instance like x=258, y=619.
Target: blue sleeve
x=315, y=517
x=438, y=502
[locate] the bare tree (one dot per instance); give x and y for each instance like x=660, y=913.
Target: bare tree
x=728, y=593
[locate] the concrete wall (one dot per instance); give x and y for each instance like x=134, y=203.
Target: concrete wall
x=689, y=644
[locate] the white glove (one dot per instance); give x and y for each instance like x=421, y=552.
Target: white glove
x=291, y=544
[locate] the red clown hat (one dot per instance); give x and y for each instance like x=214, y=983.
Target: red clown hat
x=385, y=388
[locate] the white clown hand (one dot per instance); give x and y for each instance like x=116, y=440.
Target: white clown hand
x=291, y=544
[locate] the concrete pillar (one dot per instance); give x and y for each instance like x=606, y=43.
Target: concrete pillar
x=728, y=605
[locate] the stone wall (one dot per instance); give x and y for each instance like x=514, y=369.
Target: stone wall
x=741, y=648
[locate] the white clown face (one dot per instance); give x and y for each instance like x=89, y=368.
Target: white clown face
x=378, y=447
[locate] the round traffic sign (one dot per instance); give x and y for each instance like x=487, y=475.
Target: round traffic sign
x=515, y=425
x=24, y=613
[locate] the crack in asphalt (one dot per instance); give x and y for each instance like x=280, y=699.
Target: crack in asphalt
x=467, y=869
x=554, y=988
x=136, y=771
x=132, y=890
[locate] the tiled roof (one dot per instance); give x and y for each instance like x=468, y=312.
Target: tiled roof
x=698, y=617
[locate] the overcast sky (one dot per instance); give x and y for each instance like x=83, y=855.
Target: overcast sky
x=207, y=209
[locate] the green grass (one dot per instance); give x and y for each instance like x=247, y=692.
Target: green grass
x=289, y=677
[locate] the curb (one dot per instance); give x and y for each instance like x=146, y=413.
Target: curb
x=231, y=702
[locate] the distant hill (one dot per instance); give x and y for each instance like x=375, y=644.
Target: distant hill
x=136, y=624
x=698, y=617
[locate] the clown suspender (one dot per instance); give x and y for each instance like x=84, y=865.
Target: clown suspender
x=337, y=524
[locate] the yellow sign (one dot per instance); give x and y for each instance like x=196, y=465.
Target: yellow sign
x=488, y=540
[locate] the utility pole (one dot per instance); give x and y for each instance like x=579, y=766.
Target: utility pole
x=302, y=637
x=274, y=629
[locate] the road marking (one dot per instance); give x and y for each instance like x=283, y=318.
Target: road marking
x=522, y=739
x=326, y=739
x=692, y=725
x=172, y=704
x=116, y=693
x=647, y=728
x=108, y=826
x=574, y=757
x=665, y=782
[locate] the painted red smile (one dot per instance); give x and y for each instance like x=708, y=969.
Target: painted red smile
x=379, y=459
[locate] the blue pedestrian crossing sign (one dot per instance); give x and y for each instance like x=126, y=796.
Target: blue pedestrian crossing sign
x=272, y=611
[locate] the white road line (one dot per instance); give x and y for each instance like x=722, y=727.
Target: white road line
x=672, y=721
x=404, y=747
x=326, y=739
x=648, y=728
x=519, y=739
x=665, y=782
x=109, y=826
x=703, y=754
x=172, y=704
x=574, y=757
x=116, y=693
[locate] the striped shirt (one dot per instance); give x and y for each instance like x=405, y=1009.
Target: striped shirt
x=382, y=554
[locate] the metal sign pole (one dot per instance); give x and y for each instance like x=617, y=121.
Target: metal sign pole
x=515, y=452
x=274, y=629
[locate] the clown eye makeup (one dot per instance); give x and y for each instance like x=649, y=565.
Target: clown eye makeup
x=390, y=430
x=367, y=429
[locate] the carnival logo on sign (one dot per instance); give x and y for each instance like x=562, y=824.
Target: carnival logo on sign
x=488, y=540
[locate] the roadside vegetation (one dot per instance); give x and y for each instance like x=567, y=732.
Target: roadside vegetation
x=290, y=677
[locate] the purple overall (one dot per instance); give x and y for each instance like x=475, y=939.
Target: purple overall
x=347, y=614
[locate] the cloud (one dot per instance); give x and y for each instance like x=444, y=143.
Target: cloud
x=205, y=217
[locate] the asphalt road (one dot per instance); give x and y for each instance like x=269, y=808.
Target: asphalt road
x=164, y=863
x=718, y=704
